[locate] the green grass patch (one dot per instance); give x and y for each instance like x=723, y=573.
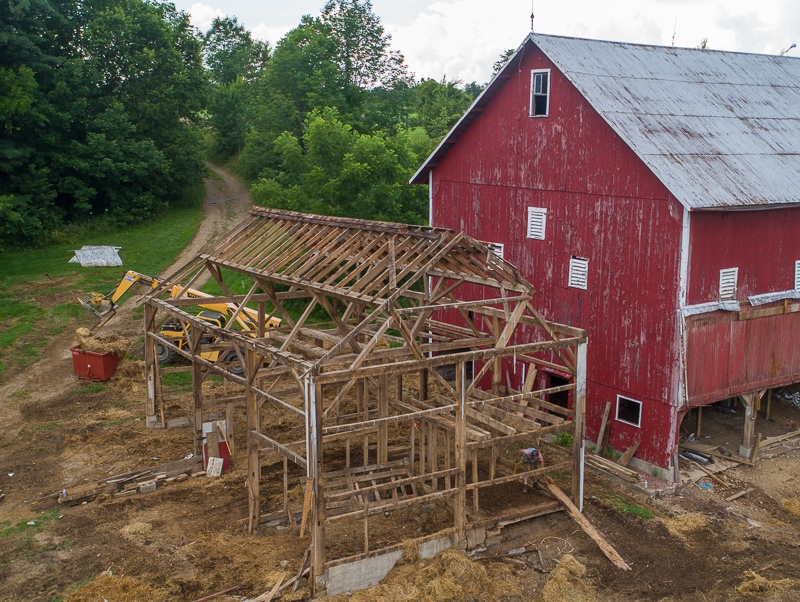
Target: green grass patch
x=177, y=382
x=7, y=528
x=564, y=439
x=49, y=426
x=620, y=504
x=89, y=389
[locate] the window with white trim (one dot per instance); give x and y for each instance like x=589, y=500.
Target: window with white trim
x=629, y=411
x=727, y=283
x=578, y=272
x=497, y=248
x=797, y=275
x=537, y=220
x=540, y=93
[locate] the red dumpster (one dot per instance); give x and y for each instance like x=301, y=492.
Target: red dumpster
x=92, y=366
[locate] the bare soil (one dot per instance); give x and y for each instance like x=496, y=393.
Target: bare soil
x=189, y=540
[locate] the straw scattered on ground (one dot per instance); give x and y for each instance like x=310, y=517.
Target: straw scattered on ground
x=568, y=583
x=791, y=505
x=755, y=585
x=683, y=525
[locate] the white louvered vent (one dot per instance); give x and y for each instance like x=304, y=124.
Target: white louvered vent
x=496, y=248
x=578, y=272
x=537, y=220
x=797, y=275
x=727, y=283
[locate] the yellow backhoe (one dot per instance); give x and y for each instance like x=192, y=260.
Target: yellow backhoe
x=218, y=314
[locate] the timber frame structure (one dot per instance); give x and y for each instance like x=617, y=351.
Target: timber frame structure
x=410, y=364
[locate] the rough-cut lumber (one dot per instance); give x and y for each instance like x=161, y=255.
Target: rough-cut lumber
x=736, y=496
x=713, y=476
x=612, y=468
x=777, y=439
x=584, y=524
x=601, y=434
x=625, y=458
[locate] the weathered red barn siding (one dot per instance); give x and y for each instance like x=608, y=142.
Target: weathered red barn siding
x=604, y=205
x=763, y=244
x=727, y=356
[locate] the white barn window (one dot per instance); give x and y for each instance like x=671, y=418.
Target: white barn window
x=578, y=272
x=540, y=93
x=728, y=283
x=537, y=220
x=497, y=248
x=629, y=411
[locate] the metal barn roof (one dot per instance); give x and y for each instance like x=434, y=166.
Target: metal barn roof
x=719, y=129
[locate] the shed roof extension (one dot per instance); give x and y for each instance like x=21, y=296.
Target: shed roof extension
x=719, y=129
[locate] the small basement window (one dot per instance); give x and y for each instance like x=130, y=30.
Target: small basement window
x=629, y=411
x=797, y=275
x=578, y=272
x=537, y=220
x=540, y=93
x=727, y=283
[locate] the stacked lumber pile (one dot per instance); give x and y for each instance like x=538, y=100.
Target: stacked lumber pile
x=612, y=468
x=123, y=485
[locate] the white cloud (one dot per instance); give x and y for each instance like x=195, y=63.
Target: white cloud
x=202, y=15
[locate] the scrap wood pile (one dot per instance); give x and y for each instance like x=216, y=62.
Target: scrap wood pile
x=615, y=469
x=102, y=343
x=123, y=485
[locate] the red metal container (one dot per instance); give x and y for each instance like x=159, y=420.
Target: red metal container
x=92, y=366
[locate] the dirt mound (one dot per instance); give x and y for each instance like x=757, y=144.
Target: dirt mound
x=755, y=585
x=102, y=343
x=567, y=583
x=685, y=524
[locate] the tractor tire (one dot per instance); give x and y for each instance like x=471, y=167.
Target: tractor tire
x=233, y=365
x=164, y=354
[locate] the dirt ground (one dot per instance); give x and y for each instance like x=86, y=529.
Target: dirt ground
x=188, y=540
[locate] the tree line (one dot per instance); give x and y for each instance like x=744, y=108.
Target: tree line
x=109, y=107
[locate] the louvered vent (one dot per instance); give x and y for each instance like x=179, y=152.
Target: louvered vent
x=537, y=220
x=727, y=283
x=578, y=272
x=797, y=275
x=496, y=248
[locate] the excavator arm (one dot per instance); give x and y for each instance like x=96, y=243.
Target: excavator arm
x=100, y=304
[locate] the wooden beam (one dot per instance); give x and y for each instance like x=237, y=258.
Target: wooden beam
x=587, y=527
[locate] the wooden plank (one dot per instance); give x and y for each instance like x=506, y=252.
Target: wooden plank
x=598, y=448
x=268, y=596
x=736, y=496
x=777, y=439
x=584, y=524
x=306, y=505
x=625, y=458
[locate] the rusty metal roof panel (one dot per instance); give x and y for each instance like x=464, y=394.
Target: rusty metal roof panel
x=719, y=129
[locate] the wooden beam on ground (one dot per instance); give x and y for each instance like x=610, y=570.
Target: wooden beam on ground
x=625, y=458
x=584, y=524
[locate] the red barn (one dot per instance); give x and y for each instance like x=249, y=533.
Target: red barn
x=652, y=196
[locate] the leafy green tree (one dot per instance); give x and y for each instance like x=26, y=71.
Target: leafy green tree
x=334, y=170
x=439, y=105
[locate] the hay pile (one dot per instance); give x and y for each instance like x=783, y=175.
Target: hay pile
x=755, y=585
x=102, y=343
x=567, y=583
x=108, y=586
x=137, y=531
x=450, y=576
x=791, y=505
x=684, y=524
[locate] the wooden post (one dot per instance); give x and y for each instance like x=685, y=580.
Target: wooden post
x=769, y=404
x=150, y=366
x=197, y=397
x=459, y=508
x=475, y=506
x=413, y=455
x=749, y=427
x=579, y=425
x=286, y=485
x=497, y=368
x=253, y=463
x=383, y=412
x=432, y=452
x=699, y=427
x=229, y=431
x=398, y=388
x=601, y=434
x=423, y=385
x=314, y=410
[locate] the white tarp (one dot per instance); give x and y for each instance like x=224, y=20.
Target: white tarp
x=91, y=256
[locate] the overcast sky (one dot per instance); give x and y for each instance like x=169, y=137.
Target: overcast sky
x=461, y=39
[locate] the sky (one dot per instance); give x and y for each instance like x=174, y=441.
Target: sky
x=459, y=40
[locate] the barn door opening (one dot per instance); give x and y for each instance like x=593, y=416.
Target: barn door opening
x=560, y=398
